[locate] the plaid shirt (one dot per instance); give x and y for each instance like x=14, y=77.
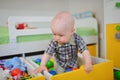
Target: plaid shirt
x=66, y=55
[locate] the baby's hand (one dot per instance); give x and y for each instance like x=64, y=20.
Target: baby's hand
x=39, y=69
x=88, y=68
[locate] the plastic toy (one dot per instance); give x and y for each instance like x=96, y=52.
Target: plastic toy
x=74, y=68
x=15, y=63
x=2, y=64
x=53, y=72
x=38, y=63
x=68, y=70
x=118, y=28
x=37, y=60
x=16, y=72
x=117, y=4
x=51, y=68
x=4, y=74
x=25, y=74
x=27, y=77
x=22, y=26
x=49, y=64
x=117, y=74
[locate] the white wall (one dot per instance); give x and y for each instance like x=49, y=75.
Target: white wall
x=112, y=13
x=30, y=8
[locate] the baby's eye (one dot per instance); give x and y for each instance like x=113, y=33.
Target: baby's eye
x=54, y=34
x=60, y=35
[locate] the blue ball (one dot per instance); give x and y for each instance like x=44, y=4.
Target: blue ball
x=37, y=60
x=53, y=72
x=68, y=69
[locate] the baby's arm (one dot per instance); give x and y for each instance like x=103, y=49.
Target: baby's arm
x=88, y=61
x=42, y=67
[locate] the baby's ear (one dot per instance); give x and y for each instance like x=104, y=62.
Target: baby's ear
x=73, y=29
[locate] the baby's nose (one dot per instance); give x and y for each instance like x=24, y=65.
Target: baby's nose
x=58, y=38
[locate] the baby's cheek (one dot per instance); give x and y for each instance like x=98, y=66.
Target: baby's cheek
x=65, y=40
x=54, y=38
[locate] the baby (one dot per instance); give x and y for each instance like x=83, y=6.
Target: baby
x=65, y=45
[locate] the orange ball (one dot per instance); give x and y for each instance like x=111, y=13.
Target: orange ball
x=74, y=68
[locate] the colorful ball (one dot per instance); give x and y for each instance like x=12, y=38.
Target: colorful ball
x=117, y=74
x=53, y=72
x=25, y=74
x=51, y=68
x=37, y=60
x=68, y=69
x=16, y=72
x=49, y=64
x=74, y=68
x=38, y=63
x=118, y=28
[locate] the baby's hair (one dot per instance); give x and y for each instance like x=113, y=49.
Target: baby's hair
x=65, y=18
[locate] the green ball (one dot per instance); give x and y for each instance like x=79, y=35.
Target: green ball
x=117, y=74
x=38, y=63
x=51, y=68
x=118, y=28
x=49, y=64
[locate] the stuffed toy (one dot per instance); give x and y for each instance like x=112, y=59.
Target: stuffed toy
x=15, y=63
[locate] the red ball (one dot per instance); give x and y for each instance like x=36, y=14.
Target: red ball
x=16, y=72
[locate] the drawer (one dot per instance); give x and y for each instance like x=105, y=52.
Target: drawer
x=102, y=70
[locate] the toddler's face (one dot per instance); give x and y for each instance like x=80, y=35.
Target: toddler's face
x=62, y=27
x=61, y=35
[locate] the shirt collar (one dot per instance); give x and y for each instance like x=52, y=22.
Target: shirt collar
x=71, y=41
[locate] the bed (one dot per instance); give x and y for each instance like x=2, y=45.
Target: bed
x=86, y=27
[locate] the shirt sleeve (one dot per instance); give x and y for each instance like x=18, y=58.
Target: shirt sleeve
x=51, y=48
x=81, y=44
